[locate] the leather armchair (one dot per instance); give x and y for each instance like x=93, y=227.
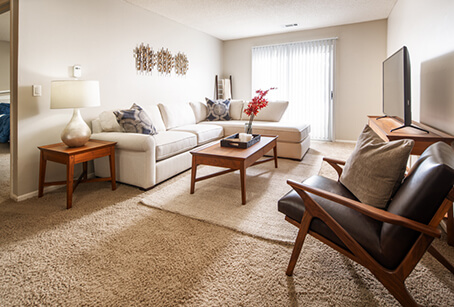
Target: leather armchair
x=388, y=242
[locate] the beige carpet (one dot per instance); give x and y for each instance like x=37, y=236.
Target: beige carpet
x=218, y=200
x=109, y=250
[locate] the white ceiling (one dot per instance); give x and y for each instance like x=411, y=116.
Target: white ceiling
x=234, y=19
x=4, y=27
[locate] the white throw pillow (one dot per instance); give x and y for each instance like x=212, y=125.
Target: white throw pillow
x=109, y=122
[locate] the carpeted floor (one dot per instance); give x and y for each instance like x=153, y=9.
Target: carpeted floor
x=218, y=200
x=109, y=250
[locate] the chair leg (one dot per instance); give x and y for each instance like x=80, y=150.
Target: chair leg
x=398, y=289
x=436, y=254
x=305, y=222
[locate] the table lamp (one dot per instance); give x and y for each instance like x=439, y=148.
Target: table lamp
x=75, y=94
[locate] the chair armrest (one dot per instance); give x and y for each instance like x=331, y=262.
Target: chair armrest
x=375, y=213
x=335, y=164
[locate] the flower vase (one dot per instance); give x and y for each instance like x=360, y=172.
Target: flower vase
x=248, y=125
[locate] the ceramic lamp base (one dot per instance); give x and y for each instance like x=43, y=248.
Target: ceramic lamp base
x=77, y=132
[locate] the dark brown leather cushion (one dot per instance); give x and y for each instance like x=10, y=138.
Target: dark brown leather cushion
x=418, y=198
x=362, y=228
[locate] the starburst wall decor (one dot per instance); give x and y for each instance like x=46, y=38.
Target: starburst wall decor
x=181, y=64
x=147, y=60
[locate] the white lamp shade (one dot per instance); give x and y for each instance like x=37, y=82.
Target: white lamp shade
x=74, y=94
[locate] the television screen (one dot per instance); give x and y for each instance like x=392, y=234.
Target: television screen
x=397, y=86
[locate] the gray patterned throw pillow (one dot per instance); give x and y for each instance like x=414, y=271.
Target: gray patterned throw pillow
x=218, y=109
x=135, y=120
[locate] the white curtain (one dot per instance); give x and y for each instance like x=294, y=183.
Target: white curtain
x=303, y=74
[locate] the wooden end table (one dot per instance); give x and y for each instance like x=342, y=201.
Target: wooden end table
x=233, y=159
x=70, y=156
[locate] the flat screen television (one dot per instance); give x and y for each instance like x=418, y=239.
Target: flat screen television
x=397, y=88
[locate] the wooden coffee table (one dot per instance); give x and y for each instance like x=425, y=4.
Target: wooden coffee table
x=233, y=159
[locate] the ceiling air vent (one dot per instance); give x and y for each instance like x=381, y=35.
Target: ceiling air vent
x=291, y=25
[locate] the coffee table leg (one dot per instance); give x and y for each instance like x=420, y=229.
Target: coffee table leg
x=243, y=184
x=275, y=155
x=193, y=174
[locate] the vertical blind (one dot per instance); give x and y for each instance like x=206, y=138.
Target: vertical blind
x=303, y=75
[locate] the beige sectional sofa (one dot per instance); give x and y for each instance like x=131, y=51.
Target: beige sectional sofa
x=146, y=160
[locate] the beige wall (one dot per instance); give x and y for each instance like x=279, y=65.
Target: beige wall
x=426, y=28
x=360, y=50
x=99, y=35
x=4, y=66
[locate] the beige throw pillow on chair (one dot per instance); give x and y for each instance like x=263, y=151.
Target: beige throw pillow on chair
x=376, y=168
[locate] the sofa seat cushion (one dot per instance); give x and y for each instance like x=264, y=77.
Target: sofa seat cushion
x=205, y=133
x=170, y=143
x=287, y=132
x=361, y=227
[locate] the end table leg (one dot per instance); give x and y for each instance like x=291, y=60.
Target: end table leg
x=85, y=170
x=193, y=174
x=42, y=174
x=112, y=169
x=450, y=227
x=243, y=184
x=69, y=182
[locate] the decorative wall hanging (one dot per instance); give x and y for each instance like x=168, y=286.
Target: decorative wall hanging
x=181, y=63
x=145, y=58
x=164, y=61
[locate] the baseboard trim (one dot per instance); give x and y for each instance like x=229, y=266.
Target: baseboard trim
x=345, y=141
x=19, y=198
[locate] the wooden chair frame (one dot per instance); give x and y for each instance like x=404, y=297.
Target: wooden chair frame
x=393, y=280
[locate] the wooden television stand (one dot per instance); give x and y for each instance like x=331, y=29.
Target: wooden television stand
x=383, y=127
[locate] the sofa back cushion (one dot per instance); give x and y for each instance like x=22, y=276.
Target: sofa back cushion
x=236, y=109
x=155, y=115
x=176, y=115
x=200, y=111
x=272, y=112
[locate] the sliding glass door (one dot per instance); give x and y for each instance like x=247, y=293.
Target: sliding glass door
x=303, y=73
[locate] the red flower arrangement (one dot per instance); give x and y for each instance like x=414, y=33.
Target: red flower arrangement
x=253, y=107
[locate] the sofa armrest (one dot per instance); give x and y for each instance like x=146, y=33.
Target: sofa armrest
x=128, y=141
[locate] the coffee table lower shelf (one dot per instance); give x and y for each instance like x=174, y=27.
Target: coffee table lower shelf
x=233, y=159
